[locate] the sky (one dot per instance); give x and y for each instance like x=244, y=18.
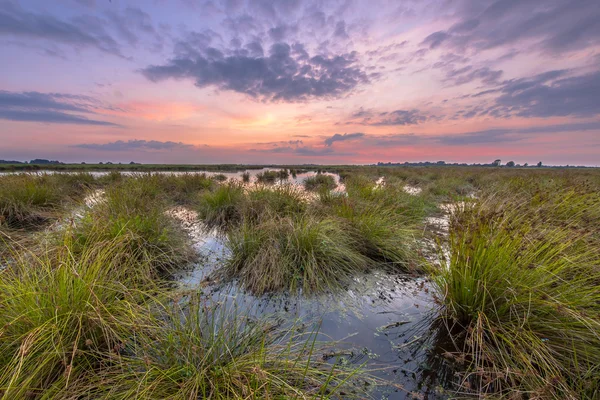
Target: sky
x=300, y=81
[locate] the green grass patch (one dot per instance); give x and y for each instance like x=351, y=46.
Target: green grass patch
x=526, y=294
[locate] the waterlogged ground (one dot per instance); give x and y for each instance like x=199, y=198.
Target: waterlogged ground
x=381, y=320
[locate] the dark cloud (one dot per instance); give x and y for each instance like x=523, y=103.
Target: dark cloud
x=550, y=94
x=288, y=73
x=282, y=32
x=80, y=32
x=52, y=117
x=342, y=138
x=552, y=25
x=397, y=117
x=435, y=39
x=121, y=145
x=469, y=74
x=132, y=23
x=37, y=100
x=340, y=30
x=48, y=108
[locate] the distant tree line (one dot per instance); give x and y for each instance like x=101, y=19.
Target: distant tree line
x=36, y=161
x=495, y=163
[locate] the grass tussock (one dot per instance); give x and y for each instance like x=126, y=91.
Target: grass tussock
x=292, y=254
x=524, y=289
x=80, y=324
x=133, y=211
x=29, y=201
x=320, y=182
x=61, y=314
x=206, y=350
x=268, y=177
x=283, y=239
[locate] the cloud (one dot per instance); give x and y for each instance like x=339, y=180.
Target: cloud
x=39, y=100
x=468, y=74
x=121, y=145
x=48, y=107
x=81, y=32
x=551, y=94
x=554, y=26
x=54, y=117
x=487, y=136
x=287, y=74
x=435, y=39
x=385, y=118
x=133, y=22
x=342, y=138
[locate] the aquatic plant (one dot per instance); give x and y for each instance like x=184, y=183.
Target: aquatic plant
x=267, y=177
x=319, y=182
x=29, y=201
x=527, y=298
x=287, y=253
x=61, y=313
x=133, y=211
x=221, y=207
x=246, y=177
x=203, y=349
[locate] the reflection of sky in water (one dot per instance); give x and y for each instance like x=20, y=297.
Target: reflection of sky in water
x=382, y=319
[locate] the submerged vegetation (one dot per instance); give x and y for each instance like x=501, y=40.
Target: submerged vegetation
x=89, y=307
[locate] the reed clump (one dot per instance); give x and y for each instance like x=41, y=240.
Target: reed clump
x=293, y=253
x=30, y=200
x=204, y=349
x=133, y=210
x=320, y=182
x=522, y=282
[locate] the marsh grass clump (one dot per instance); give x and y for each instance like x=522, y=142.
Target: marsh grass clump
x=281, y=200
x=287, y=253
x=61, y=313
x=385, y=237
x=320, y=182
x=526, y=295
x=268, y=177
x=246, y=177
x=222, y=207
x=208, y=350
x=184, y=189
x=134, y=211
x=29, y=201
x=219, y=177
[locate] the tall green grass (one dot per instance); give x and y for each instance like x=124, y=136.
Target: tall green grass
x=133, y=210
x=81, y=324
x=320, y=182
x=29, y=201
x=287, y=253
x=525, y=291
x=203, y=350
x=60, y=314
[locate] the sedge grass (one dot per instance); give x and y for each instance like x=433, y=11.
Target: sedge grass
x=293, y=253
x=60, y=313
x=526, y=295
x=320, y=182
x=204, y=350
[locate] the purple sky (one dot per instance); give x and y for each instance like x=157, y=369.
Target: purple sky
x=300, y=81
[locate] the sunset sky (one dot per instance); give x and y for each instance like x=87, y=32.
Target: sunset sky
x=300, y=81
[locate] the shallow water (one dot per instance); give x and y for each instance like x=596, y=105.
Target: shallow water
x=384, y=320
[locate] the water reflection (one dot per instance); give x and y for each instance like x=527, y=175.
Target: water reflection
x=387, y=321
